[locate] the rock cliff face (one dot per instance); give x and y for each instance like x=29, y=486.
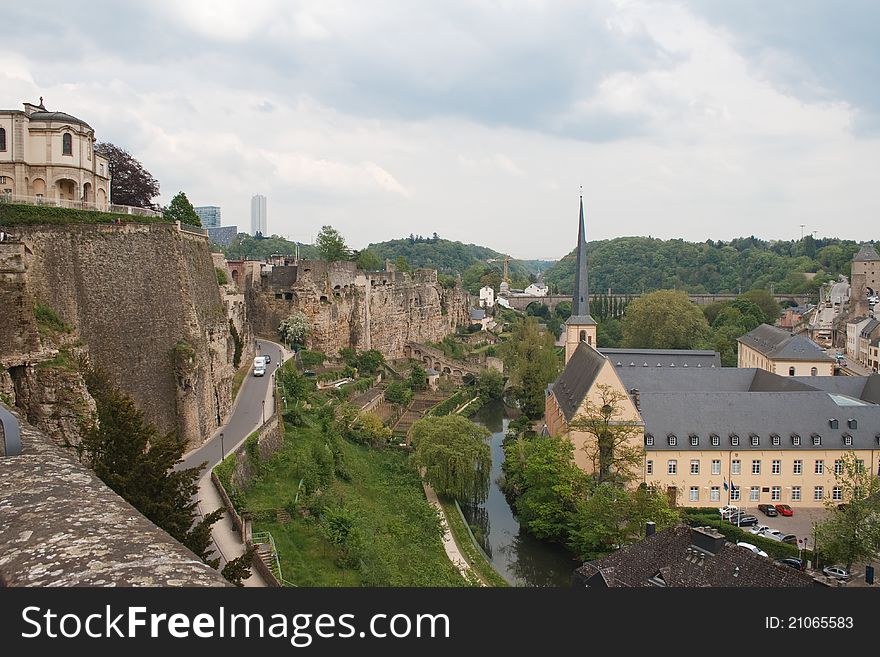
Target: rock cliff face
x=144, y=299
x=351, y=308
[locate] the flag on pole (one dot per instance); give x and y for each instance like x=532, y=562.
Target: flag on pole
x=725, y=483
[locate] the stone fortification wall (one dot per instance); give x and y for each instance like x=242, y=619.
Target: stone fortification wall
x=351, y=308
x=144, y=299
x=61, y=526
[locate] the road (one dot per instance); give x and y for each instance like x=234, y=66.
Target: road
x=251, y=407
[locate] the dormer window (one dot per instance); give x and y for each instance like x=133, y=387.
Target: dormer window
x=852, y=424
x=67, y=144
x=795, y=439
x=775, y=438
x=734, y=439
x=671, y=439
x=716, y=440
x=847, y=439
x=695, y=440
x=833, y=423
x=649, y=439
x=755, y=439
x=817, y=439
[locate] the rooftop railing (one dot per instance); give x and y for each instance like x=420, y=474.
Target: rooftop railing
x=78, y=205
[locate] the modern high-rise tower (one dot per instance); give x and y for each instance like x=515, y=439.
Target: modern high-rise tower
x=209, y=215
x=258, y=215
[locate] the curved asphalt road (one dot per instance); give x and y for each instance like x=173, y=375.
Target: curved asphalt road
x=247, y=415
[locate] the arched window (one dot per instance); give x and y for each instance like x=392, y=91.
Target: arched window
x=583, y=336
x=813, y=371
x=2, y=139
x=67, y=144
x=791, y=371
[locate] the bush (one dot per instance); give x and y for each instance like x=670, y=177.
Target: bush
x=30, y=215
x=311, y=359
x=222, y=279
x=775, y=549
x=48, y=319
x=398, y=393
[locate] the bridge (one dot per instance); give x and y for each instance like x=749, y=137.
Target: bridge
x=436, y=359
x=521, y=302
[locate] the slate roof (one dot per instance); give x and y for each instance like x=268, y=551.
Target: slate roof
x=743, y=414
x=869, y=328
x=62, y=117
x=663, y=357
x=580, y=372
x=866, y=254
x=478, y=314
x=779, y=344
x=669, y=558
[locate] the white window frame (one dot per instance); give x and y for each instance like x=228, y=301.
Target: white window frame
x=649, y=440
x=837, y=493
x=736, y=467
x=695, y=441
x=820, y=467
x=734, y=494
x=695, y=467
x=795, y=440
x=818, y=493
x=694, y=494
x=734, y=441
x=795, y=493
x=755, y=440
x=672, y=440
x=798, y=467
x=716, y=466
x=756, y=466
x=776, y=440
x=838, y=466
x=847, y=440
x=649, y=466
x=817, y=440
x=716, y=441
x=776, y=494
x=672, y=466
x=715, y=494
x=754, y=493
x=776, y=467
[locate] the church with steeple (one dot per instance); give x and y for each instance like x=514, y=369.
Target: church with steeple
x=580, y=327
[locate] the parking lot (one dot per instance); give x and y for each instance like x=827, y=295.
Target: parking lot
x=800, y=524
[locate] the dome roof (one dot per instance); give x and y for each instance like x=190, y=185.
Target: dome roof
x=60, y=117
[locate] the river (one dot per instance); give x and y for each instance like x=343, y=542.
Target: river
x=520, y=558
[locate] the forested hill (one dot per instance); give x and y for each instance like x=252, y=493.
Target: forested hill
x=477, y=264
x=643, y=264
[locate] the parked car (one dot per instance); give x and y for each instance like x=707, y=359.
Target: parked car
x=743, y=520
x=784, y=510
x=727, y=511
x=782, y=537
x=768, y=510
x=268, y=358
x=309, y=373
x=753, y=548
x=759, y=529
x=794, y=562
x=838, y=572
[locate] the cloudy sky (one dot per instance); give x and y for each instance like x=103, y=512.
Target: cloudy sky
x=479, y=120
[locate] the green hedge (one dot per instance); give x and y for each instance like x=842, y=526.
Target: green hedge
x=704, y=518
x=41, y=215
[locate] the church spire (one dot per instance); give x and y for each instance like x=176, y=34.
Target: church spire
x=580, y=304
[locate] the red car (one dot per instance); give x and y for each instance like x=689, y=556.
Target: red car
x=784, y=510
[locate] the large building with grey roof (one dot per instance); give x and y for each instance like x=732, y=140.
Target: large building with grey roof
x=711, y=435
x=776, y=350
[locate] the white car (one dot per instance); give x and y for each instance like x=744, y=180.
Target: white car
x=759, y=529
x=753, y=548
x=727, y=511
x=838, y=572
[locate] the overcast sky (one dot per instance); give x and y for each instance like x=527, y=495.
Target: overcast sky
x=479, y=120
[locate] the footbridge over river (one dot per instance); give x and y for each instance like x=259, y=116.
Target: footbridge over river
x=523, y=301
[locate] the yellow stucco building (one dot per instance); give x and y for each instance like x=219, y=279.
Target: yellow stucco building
x=711, y=435
x=776, y=350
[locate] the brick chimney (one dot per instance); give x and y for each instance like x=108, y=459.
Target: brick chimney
x=707, y=539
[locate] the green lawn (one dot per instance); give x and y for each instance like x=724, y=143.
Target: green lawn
x=462, y=536
x=399, y=533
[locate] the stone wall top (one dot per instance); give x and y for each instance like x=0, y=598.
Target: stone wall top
x=62, y=526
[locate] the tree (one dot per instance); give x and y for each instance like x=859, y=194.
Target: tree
x=331, y=245
x=132, y=458
x=664, y=320
x=398, y=393
x=615, y=452
x=368, y=260
x=770, y=309
x=490, y=384
x=541, y=475
x=402, y=264
x=180, y=209
x=239, y=569
x=530, y=358
x=370, y=430
x=130, y=183
x=294, y=328
x=852, y=533
x=455, y=456
x=418, y=378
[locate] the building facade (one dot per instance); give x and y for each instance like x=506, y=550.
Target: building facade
x=711, y=435
x=776, y=350
x=487, y=296
x=50, y=157
x=865, y=278
x=223, y=235
x=209, y=215
x=258, y=215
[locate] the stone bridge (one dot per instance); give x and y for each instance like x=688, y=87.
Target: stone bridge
x=521, y=302
x=436, y=359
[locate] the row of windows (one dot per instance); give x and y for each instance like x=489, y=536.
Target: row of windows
x=775, y=494
x=755, y=439
x=736, y=466
x=66, y=142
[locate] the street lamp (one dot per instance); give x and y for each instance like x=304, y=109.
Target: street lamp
x=222, y=449
x=264, y=411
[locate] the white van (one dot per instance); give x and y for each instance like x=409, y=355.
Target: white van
x=260, y=366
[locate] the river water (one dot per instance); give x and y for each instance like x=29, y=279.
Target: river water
x=520, y=558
